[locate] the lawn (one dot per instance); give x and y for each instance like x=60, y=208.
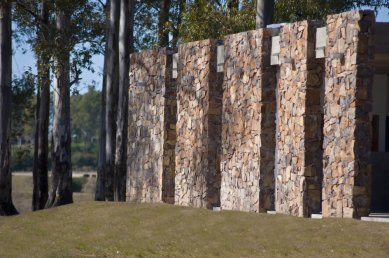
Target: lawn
x=93, y=229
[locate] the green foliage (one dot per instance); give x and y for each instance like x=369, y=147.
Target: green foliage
x=84, y=32
x=23, y=107
x=85, y=119
x=293, y=10
x=146, y=24
x=204, y=19
x=78, y=183
x=22, y=157
x=84, y=158
x=208, y=19
x=85, y=116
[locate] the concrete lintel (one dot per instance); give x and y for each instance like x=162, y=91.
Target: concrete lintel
x=220, y=58
x=175, y=66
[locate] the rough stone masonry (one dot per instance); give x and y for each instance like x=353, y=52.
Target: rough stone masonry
x=299, y=141
x=347, y=114
x=299, y=122
x=151, y=137
x=199, y=108
x=248, y=137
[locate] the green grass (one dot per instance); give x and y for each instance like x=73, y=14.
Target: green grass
x=92, y=229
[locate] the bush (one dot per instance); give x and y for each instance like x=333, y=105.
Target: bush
x=83, y=159
x=78, y=183
x=21, y=157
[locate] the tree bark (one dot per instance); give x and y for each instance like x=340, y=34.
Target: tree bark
x=265, y=13
x=6, y=205
x=111, y=98
x=61, y=183
x=40, y=169
x=101, y=166
x=163, y=33
x=131, y=16
x=126, y=20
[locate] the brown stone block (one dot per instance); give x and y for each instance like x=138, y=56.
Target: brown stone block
x=252, y=95
x=347, y=121
x=199, y=103
x=151, y=156
x=299, y=122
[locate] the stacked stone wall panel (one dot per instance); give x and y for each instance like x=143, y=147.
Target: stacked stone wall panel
x=347, y=113
x=151, y=142
x=248, y=136
x=299, y=125
x=199, y=95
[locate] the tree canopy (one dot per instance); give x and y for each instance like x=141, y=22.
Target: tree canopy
x=203, y=19
x=84, y=32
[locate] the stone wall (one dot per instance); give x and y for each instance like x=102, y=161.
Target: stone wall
x=248, y=137
x=282, y=127
x=299, y=122
x=150, y=176
x=347, y=109
x=199, y=110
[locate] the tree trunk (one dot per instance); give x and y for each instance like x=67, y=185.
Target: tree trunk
x=61, y=183
x=35, y=176
x=265, y=13
x=40, y=192
x=100, y=182
x=101, y=166
x=131, y=16
x=126, y=20
x=6, y=205
x=163, y=32
x=111, y=100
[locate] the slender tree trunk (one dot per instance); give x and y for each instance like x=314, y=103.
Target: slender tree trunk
x=131, y=16
x=111, y=100
x=35, y=176
x=6, y=205
x=61, y=183
x=163, y=32
x=40, y=169
x=100, y=183
x=265, y=13
x=101, y=166
x=126, y=20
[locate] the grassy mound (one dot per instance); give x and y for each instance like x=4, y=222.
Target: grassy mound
x=91, y=229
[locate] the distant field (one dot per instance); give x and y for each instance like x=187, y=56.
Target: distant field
x=22, y=189
x=92, y=229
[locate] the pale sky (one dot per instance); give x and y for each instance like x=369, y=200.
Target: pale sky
x=22, y=61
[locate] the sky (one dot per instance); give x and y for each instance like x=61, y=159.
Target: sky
x=23, y=61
